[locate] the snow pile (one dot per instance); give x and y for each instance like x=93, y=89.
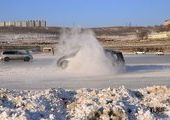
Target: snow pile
x=120, y=104
x=33, y=105
x=86, y=104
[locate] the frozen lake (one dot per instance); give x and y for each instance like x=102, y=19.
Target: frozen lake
x=42, y=72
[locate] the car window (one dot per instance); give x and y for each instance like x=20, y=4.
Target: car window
x=20, y=53
x=15, y=52
x=9, y=52
x=114, y=56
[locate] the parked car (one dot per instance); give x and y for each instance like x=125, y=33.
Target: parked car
x=159, y=53
x=8, y=55
x=118, y=59
x=140, y=52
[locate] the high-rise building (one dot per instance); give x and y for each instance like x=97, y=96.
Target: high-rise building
x=8, y=24
x=43, y=23
x=23, y=24
x=17, y=24
x=29, y=23
x=37, y=23
x=2, y=24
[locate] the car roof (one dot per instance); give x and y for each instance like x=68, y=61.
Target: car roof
x=6, y=51
x=113, y=51
x=13, y=50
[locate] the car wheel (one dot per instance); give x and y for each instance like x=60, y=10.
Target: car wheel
x=6, y=59
x=27, y=59
x=64, y=64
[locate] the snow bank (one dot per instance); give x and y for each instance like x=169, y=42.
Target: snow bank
x=33, y=105
x=104, y=104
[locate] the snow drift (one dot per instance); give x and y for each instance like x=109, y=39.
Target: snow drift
x=104, y=104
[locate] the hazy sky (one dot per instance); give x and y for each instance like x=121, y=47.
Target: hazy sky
x=87, y=13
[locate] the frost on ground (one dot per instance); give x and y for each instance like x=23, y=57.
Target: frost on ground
x=86, y=104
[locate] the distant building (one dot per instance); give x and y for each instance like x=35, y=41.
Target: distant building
x=12, y=23
x=160, y=35
x=7, y=24
x=37, y=23
x=2, y=24
x=166, y=22
x=23, y=23
x=17, y=24
x=29, y=23
x=43, y=23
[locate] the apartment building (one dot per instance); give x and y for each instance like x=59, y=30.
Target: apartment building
x=29, y=23
x=2, y=24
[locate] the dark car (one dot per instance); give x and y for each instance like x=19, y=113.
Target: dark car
x=116, y=56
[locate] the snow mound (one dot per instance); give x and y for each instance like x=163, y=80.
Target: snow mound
x=85, y=104
x=33, y=105
x=121, y=104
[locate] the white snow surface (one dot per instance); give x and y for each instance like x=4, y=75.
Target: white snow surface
x=42, y=73
x=86, y=104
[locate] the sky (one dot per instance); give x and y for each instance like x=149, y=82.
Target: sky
x=87, y=13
